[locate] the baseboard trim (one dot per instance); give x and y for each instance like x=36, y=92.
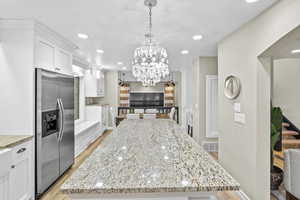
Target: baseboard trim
x=242, y=195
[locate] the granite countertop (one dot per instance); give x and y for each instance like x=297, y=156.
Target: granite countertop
x=7, y=141
x=146, y=156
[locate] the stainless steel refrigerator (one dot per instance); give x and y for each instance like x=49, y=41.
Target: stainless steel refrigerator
x=54, y=137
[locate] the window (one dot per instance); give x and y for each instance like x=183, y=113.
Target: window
x=79, y=100
x=76, y=98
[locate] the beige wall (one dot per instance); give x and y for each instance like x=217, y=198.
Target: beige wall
x=202, y=66
x=244, y=148
x=286, y=88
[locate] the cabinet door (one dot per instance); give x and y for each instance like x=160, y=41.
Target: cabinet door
x=45, y=54
x=21, y=174
x=90, y=84
x=63, y=61
x=102, y=85
x=4, y=186
x=100, y=89
x=212, y=106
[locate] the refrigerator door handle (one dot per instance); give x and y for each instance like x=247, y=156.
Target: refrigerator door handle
x=62, y=119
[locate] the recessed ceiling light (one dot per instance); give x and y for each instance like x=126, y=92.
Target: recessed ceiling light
x=251, y=1
x=184, y=52
x=100, y=51
x=184, y=182
x=82, y=36
x=295, y=51
x=124, y=68
x=197, y=37
x=119, y=63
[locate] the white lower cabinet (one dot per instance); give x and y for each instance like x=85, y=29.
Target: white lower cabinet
x=105, y=116
x=4, y=185
x=21, y=176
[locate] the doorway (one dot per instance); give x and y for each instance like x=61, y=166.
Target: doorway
x=282, y=61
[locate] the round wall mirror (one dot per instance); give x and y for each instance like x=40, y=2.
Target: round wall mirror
x=232, y=87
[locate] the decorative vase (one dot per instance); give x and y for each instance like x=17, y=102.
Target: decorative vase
x=276, y=178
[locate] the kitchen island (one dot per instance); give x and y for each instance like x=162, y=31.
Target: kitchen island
x=148, y=159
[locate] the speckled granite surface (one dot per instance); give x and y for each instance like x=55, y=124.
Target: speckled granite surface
x=7, y=141
x=144, y=156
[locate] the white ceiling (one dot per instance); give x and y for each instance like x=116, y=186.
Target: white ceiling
x=283, y=48
x=118, y=26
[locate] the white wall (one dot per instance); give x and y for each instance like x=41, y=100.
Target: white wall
x=202, y=67
x=186, y=92
x=286, y=93
x=245, y=148
x=16, y=82
x=138, y=87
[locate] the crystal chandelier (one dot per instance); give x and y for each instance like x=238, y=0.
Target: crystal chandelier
x=150, y=62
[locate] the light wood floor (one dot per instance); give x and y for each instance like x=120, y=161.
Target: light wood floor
x=54, y=193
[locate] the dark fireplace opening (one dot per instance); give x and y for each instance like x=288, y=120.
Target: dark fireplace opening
x=142, y=99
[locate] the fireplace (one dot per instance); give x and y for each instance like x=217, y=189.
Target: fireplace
x=149, y=99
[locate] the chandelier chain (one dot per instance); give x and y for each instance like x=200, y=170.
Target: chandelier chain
x=150, y=23
x=150, y=61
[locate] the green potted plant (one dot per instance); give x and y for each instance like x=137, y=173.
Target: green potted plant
x=276, y=127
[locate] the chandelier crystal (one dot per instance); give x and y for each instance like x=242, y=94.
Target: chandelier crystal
x=150, y=62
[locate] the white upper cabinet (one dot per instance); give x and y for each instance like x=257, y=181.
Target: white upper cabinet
x=90, y=84
x=51, y=57
x=63, y=61
x=101, y=85
x=45, y=54
x=52, y=51
x=94, y=83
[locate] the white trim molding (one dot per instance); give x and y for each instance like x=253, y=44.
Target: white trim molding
x=242, y=195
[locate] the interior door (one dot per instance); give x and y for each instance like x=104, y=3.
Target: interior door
x=67, y=139
x=47, y=149
x=212, y=106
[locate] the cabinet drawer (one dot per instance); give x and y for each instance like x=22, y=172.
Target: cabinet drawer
x=21, y=151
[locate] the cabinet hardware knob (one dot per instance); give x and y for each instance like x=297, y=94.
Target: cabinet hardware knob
x=21, y=150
